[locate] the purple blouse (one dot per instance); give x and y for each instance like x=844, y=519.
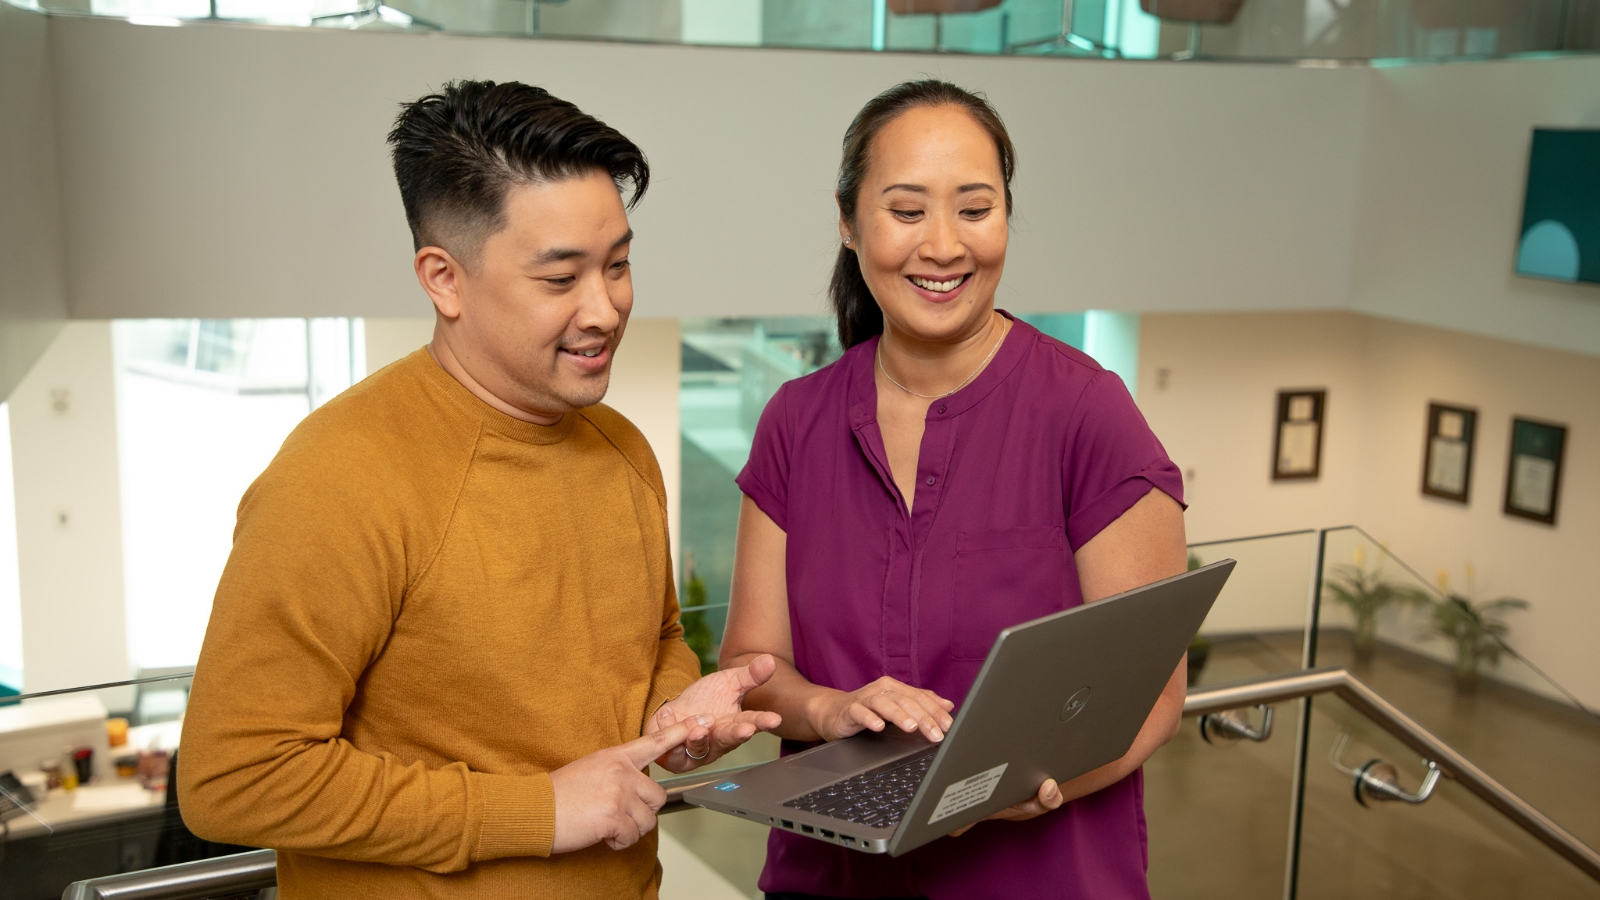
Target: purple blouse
x=1016, y=471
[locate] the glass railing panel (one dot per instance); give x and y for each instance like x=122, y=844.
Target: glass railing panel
x=1257, y=626
x=89, y=792
x=1218, y=812
x=1380, y=618
x=1453, y=845
x=1394, y=31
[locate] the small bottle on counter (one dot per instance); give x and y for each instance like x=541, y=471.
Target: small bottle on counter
x=83, y=762
x=52, y=773
x=69, y=771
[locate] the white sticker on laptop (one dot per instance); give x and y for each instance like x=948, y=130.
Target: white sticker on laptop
x=967, y=793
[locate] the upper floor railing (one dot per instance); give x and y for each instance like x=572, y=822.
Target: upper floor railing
x=1280, y=30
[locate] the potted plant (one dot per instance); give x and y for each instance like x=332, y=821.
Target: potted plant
x=696, y=630
x=1475, y=628
x=1199, y=648
x=1365, y=594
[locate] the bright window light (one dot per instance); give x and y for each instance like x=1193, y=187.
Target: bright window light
x=10, y=585
x=202, y=407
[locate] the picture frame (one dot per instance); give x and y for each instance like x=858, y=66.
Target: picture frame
x=1447, y=451
x=1533, y=469
x=1297, y=434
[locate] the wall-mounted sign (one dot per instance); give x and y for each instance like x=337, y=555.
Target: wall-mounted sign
x=1297, y=441
x=1447, y=458
x=1533, y=477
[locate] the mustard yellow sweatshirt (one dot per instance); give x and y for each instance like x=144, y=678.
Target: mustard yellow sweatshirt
x=429, y=606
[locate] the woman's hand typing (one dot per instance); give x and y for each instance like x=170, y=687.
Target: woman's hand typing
x=839, y=714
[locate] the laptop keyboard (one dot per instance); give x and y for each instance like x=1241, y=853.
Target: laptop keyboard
x=876, y=799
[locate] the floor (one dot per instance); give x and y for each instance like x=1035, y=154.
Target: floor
x=1218, y=815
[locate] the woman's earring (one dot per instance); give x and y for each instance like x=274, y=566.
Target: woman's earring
x=847, y=240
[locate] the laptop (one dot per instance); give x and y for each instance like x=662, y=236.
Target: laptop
x=1056, y=697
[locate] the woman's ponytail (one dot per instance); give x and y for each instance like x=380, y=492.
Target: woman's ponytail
x=858, y=314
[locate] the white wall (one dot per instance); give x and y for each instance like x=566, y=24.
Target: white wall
x=1444, y=170
x=228, y=171
x=1216, y=413
x=33, y=301
x=69, y=520
x=644, y=387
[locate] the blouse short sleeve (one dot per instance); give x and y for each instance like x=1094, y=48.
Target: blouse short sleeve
x=1112, y=459
x=765, y=477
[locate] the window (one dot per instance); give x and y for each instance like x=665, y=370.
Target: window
x=202, y=407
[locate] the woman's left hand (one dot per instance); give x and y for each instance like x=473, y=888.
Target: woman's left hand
x=1049, y=798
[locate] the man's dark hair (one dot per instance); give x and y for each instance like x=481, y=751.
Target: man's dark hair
x=457, y=152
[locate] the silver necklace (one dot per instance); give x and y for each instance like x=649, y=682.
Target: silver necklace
x=992, y=351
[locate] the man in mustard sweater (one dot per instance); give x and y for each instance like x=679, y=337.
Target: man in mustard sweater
x=447, y=641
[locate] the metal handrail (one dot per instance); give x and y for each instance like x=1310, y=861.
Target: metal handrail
x=1350, y=689
x=240, y=873
x=257, y=870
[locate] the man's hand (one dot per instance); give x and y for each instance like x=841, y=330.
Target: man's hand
x=1049, y=798
x=712, y=707
x=606, y=796
x=878, y=704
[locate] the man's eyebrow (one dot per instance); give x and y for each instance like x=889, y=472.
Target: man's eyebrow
x=562, y=254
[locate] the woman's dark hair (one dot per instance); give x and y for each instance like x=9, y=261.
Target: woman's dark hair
x=858, y=313
x=457, y=152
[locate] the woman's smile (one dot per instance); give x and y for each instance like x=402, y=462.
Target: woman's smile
x=939, y=288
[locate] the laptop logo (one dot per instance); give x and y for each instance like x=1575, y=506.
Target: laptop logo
x=1075, y=704
x=726, y=786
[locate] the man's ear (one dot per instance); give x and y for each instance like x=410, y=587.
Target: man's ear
x=440, y=274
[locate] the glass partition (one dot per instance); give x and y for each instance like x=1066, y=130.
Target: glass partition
x=1452, y=845
x=1218, y=810
x=1391, y=30
x=90, y=791
x=1446, y=656
x=1257, y=626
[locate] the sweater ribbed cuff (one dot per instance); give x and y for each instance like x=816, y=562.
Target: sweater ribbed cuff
x=519, y=816
x=665, y=689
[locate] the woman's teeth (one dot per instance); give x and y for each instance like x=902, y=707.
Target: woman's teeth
x=938, y=287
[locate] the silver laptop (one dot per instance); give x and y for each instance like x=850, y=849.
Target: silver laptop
x=1057, y=697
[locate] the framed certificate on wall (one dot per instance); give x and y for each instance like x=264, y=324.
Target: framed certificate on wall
x=1297, y=440
x=1447, y=456
x=1533, y=477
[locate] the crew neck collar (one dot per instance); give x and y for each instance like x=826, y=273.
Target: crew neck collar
x=492, y=419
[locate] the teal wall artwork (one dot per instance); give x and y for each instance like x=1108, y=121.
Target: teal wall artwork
x=1561, y=209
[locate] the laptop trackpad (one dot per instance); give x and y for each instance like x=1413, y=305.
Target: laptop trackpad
x=862, y=751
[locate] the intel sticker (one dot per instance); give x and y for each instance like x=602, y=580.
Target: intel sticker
x=726, y=786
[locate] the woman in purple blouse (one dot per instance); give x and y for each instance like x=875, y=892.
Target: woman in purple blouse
x=954, y=473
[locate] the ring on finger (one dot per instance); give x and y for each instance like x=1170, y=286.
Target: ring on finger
x=696, y=758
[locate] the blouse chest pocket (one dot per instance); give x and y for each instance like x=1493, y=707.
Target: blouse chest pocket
x=1003, y=577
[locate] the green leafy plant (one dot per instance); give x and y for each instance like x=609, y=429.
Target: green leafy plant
x=696, y=630
x=1366, y=593
x=1475, y=628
